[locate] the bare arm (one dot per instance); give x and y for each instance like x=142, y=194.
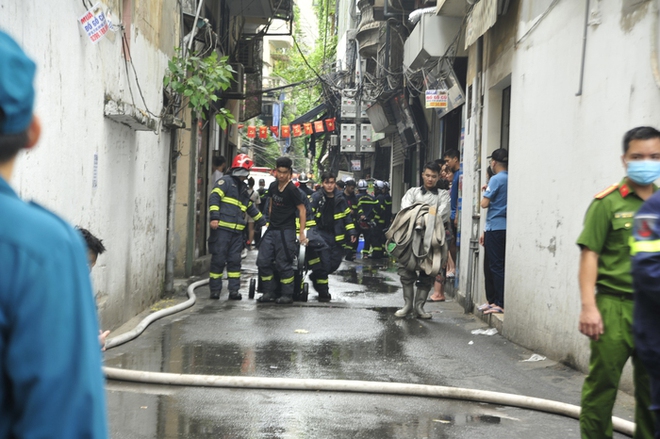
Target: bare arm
x=302, y=214
x=485, y=202
x=591, y=323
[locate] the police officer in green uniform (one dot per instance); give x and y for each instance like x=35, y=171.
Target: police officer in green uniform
x=606, y=289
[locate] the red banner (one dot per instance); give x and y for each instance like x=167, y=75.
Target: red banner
x=308, y=128
x=275, y=130
x=252, y=132
x=263, y=132
x=286, y=131
x=297, y=130
x=330, y=124
x=318, y=126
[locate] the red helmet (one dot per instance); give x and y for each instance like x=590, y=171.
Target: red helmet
x=242, y=161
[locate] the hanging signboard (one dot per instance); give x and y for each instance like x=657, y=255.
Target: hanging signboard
x=356, y=165
x=94, y=23
x=436, y=98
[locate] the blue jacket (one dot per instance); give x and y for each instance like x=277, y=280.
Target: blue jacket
x=228, y=203
x=51, y=384
x=343, y=222
x=645, y=249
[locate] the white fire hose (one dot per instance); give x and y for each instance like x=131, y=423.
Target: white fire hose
x=372, y=387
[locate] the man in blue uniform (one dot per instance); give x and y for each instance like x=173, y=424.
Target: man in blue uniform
x=645, y=250
x=366, y=206
x=51, y=384
x=228, y=203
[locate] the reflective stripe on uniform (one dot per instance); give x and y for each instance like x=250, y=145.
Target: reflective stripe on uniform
x=644, y=246
x=311, y=223
x=266, y=278
x=350, y=226
x=322, y=281
x=234, y=202
x=214, y=208
x=232, y=226
x=258, y=217
x=340, y=215
x=233, y=274
x=219, y=192
x=314, y=261
x=215, y=275
x=287, y=281
x=340, y=237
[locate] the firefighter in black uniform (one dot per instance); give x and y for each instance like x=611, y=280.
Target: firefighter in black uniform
x=278, y=244
x=228, y=203
x=382, y=220
x=351, y=199
x=303, y=180
x=366, y=205
x=329, y=227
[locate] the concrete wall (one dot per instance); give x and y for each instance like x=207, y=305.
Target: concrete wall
x=123, y=199
x=563, y=149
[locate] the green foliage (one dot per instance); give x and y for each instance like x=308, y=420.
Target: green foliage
x=198, y=80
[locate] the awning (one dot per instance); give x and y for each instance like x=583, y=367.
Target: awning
x=311, y=115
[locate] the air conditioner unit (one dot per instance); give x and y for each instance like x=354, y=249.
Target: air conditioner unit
x=245, y=55
x=237, y=88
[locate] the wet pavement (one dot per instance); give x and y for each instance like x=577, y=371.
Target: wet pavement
x=354, y=337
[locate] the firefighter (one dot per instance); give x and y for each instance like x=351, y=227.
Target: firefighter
x=351, y=199
x=381, y=221
x=304, y=180
x=329, y=227
x=228, y=203
x=366, y=205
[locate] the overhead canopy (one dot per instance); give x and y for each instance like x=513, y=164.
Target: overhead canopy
x=312, y=114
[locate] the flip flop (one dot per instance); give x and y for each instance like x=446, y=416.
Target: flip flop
x=439, y=300
x=484, y=307
x=494, y=310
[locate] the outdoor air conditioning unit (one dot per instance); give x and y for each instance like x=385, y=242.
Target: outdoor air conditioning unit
x=246, y=55
x=429, y=40
x=237, y=87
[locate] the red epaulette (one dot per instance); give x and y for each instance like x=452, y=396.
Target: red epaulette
x=606, y=192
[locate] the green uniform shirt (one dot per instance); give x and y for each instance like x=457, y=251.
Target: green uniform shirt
x=607, y=231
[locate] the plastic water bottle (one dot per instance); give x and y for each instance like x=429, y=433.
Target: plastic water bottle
x=360, y=246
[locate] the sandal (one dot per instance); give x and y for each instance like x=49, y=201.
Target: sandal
x=494, y=309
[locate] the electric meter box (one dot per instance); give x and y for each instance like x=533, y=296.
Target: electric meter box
x=348, y=108
x=363, y=108
x=366, y=138
x=348, y=142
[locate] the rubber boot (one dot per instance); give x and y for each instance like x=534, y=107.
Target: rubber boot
x=235, y=295
x=420, y=300
x=324, y=294
x=215, y=295
x=408, y=293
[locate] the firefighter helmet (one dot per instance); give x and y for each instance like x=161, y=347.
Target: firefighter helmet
x=362, y=185
x=379, y=184
x=241, y=165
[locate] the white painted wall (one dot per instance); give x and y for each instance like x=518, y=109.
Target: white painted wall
x=128, y=206
x=563, y=149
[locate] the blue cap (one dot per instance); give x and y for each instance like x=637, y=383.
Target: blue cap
x=16, y=89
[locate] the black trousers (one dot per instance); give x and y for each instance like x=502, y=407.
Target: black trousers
x=495, y=243
x=276, y=252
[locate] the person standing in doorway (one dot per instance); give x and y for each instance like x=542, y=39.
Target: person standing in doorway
x=606, y=288
x=495, y=199
x=453, y=161
x=52, y=384
x=219, y=166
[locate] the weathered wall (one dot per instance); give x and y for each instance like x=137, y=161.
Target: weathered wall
x=124, y=199
x=563, y=149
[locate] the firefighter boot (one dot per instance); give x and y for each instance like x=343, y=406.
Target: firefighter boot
x=408, y=293
x=420, y=300
x=235, y=295
x=215, y=294
x=324, y=295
